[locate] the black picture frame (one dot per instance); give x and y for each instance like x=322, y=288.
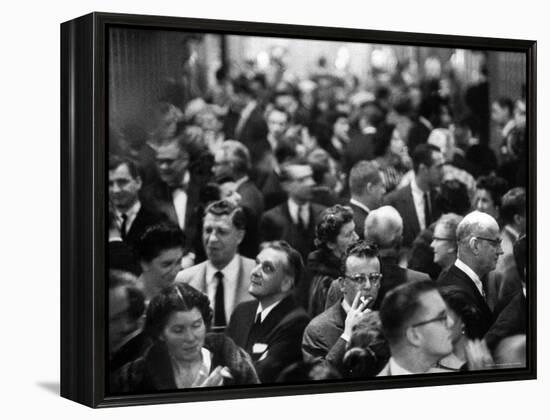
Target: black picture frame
x=83, y=203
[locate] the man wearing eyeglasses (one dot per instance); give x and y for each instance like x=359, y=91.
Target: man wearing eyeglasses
x=270, y=327
x=418, y=329
x=478, y=250
x=327, y=335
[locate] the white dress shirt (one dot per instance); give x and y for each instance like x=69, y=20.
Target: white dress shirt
x=419, y=204
x=359, y=204
x=130, y=216
x=396, y=369
x=265, y=312
x=230, y=273
x=298, y=212
x=471, y=274
x=179, y=198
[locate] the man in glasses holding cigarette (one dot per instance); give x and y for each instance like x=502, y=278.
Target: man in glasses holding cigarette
x=327, y=335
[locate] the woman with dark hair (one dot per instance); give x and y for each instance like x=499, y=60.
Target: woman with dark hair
x=183, y=354
x=391, y=154
x=334, y=233
x=465, y=327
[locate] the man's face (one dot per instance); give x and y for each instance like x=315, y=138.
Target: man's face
x=163, y=268
x=123, y=188
x=277, y=123
x=222, y=165
x=287, y=102
x=435, y=337
x=484, y=203
x=121, y=324
x=268, y=276
x=435, y=171
x=360, y=277
x=376, y=192
x=172, y=163
x=489, y=248
x=220, y=239
x=300, y=186
x=341, y=129
x=208, y=121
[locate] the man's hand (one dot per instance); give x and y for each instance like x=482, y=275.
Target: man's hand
x=478, y=355
x=356, y=313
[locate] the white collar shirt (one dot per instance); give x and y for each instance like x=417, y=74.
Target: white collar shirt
x=230, y=273
x=359, y=204
x=298, y=212
x=419, y=203
x=130, y=215
x=396, y=369
x=179, y=198
x=471, y=274
x=265, y=311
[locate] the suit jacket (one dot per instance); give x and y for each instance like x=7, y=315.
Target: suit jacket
x=322, y=337
x=252, y=203
x=510, y=319
x=196, y=276
x=253, y=133
x=360, y=147
x=270, y=187
x=276, y=343
x=454, y=276
x=159, y=198
x=359, y=216
x=402, y=200
x=277, y=224
x=144, y=219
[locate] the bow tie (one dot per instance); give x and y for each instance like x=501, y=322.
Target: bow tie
x=183, y=186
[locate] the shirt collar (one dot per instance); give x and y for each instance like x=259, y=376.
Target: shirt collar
x=132, y=211
x=359, y=204
x=514, y=233
x=415, y=188
x=265, y=312
x=396, y=369
x=294, y=209
x=470, y=273
x=229, y=272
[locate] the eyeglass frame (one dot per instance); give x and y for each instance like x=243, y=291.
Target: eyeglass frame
x=440, y=238
x=364, y=277
x=445, y=318
x=495, y=242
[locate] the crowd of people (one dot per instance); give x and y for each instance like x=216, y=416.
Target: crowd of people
x=312, y=230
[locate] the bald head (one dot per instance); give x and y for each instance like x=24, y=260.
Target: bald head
x=478, y=240
x=384, y=227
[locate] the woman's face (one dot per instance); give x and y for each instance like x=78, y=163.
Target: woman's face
x=345, y=238
x=397, y=145
x=184, y=334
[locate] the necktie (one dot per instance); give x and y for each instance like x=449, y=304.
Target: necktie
x=219, y=306
x=300, y=217
x=124, y=218
x=427, y=209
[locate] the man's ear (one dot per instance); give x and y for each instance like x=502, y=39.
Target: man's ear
x=144, y=266
x=240, y=235
x=287, y=284
x=473, y=244
x=139, y=182
x=413, y=337
x=341, y=281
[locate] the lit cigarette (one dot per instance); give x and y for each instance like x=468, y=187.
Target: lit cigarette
x=365, y=300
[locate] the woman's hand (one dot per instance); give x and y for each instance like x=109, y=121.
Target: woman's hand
x=217, y=376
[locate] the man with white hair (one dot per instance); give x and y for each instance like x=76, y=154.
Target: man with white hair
x=479, y=247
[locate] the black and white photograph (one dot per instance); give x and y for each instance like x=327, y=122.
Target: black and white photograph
x=285, y=211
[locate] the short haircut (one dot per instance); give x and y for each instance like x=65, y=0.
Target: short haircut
x=238, y=154
x=158, y=238
x=286, y=168
x=295, y=265
x=383, y=226
x=494, y=185
x=115, y=161
x=227, y=208
x=453, y=197
x=513, y=202
x=276, y=108
x=506, y=103
x=449, y=222
x=319, y=160
x=127, y=281
x=332, y=220
x=242, y=85
x=359, y=249
x=422, y=155
x=363, y=173
x=399, y=306
x=178, y=297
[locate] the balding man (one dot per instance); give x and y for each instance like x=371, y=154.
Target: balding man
x=479, y=247
x=384, y=227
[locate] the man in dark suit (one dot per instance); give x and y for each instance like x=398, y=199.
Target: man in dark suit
x=225, y=276
x=176, y=196
x=416, y=202
x=327, y=335
x=270, y=328
x=232, y=160
x=384, y=227
x=367, y=189
x=478, y=251
x=294, y=221
x=131, y=216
